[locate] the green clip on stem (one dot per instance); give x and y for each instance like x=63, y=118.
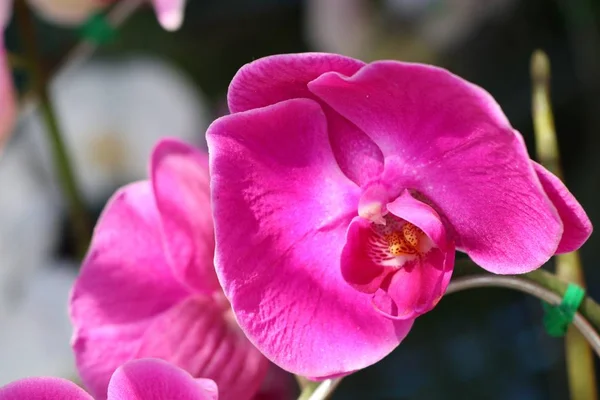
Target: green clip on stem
x=98, y=30
x=558, y=318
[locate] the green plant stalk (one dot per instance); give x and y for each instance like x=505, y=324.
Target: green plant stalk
x=319, y=390
x=307, y=388
x=589, y=308
x=79, y=218
x=579, y=357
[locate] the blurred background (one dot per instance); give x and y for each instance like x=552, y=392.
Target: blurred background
x=143, y=83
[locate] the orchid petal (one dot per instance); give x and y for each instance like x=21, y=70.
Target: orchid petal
x=158, y=380
x=358, y=267
x=456, y=148
x=202, y=337
x=273, y=79
x=181, y=186
x=417, y=287
x=110, y=306
x=8, y=107
x=417, y=291
x=43, y=389
x=578, y=227
x=281, y=208
x=170, y=13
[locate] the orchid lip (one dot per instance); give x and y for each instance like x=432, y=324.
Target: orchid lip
x=395, y=242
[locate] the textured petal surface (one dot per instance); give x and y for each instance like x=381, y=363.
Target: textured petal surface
x=181, y=186
x=270, y=80
x=157, y=380
x=124, y=283
x=454, y=145
x=43, y=389
x=169, y=13
x=577, y=225
x=281, y=207
x=203, y=338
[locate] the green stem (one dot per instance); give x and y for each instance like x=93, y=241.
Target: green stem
x=589, y=308
x=17, y=62
x=578, y=355
x=319, y=390
x=79, y=218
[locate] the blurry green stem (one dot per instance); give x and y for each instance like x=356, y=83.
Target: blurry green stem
x=319, y=390
x=17, y=62
x=580, y=363
x=531, y=287
x=588, y=309
x=79, y=218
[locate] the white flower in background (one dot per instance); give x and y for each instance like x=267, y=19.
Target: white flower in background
x=112, y=113
x=29, y=221
x=35, y=335
x=34, y=327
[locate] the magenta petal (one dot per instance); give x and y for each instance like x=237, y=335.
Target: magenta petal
x=358, y=268
x=416, y=287
x=110, y=304
x=457, y=148
x=157, y=380
x=202, y=337
x=282, y=206
x=181, y=186
x=577, y=225
x=43, y=389
x=8, y=109
x=273, y=79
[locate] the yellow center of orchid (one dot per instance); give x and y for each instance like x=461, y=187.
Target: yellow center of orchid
x=404, y=241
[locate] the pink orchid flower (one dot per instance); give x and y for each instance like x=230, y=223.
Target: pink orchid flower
x=148, y=287
x=146, y=379
x=342, y=189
